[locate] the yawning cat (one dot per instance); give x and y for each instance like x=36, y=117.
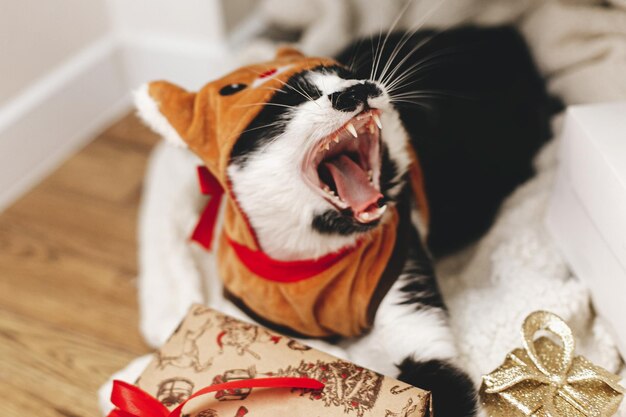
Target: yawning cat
x=342, y=177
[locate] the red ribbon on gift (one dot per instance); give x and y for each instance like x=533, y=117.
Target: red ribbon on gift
x=132, y=401
x=209, y=185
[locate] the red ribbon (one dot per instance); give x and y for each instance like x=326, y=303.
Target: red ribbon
x=132, y=401
x=256, y=261
x=285, y=271
x=209, y=185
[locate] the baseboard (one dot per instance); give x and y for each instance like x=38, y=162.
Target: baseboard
x=53, y=117
x=56, y=115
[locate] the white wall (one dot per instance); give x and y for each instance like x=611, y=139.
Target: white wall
x=188, y=19
x=189, y=32
x=36, y=36
x=68, y=67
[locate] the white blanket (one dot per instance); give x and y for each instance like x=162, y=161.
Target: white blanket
x=580, y=46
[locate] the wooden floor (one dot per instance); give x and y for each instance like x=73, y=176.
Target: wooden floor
x=68, y=316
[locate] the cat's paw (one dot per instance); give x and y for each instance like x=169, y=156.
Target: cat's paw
x=453, y=392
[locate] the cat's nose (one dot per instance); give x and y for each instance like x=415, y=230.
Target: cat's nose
x=353, y=96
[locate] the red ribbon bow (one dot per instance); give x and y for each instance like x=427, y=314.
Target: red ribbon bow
x=255, y=260
x=132, y=401
x=209, y=185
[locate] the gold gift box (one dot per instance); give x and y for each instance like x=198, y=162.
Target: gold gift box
x=211, y=348
x=545, y=379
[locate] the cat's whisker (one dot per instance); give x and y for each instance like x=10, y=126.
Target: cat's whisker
x=417, y=103
x=416, y=66
x=231, y=136
x=266, y=104
x=278, y=90
x=417, y=26
x=302, y=93
x=405, y=38
x=405, y=81
x=380, y=48
x=277, y=123
x=353, y=61
x=426, y=62
x=387, y=78
x=387, y=75
x=375, y=53
x=429, y=94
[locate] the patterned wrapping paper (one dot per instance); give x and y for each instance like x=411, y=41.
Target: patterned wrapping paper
x=209, y=348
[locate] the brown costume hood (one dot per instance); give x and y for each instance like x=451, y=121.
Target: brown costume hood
x=334, y=295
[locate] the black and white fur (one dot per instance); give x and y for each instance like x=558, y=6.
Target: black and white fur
x=472, y=105
x=291, y=220
x=476, y=112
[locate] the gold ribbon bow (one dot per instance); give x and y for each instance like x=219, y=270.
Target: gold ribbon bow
x=545, y=379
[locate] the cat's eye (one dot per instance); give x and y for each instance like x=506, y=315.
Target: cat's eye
x=231, y=89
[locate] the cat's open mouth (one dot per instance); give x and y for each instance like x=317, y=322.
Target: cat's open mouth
x=344, y=167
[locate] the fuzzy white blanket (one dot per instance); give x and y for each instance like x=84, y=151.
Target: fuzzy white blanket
x=580, y=46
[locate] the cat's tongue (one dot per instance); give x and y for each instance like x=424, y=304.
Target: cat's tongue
x=353, y=185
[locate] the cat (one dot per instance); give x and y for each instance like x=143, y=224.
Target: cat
x=320, y=167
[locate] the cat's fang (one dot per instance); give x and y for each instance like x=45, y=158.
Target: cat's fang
x=371, y=216
x=377, y=120
x=350, y=128
x=339, y=202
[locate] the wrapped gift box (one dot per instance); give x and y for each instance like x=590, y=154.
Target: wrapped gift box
x=210, y=348
x=545, y=378
x=587, y=211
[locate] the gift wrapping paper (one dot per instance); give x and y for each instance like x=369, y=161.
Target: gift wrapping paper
x=210, y=348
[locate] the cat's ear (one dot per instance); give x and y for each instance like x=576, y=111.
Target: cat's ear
x=288, y=52
x=167, y=109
